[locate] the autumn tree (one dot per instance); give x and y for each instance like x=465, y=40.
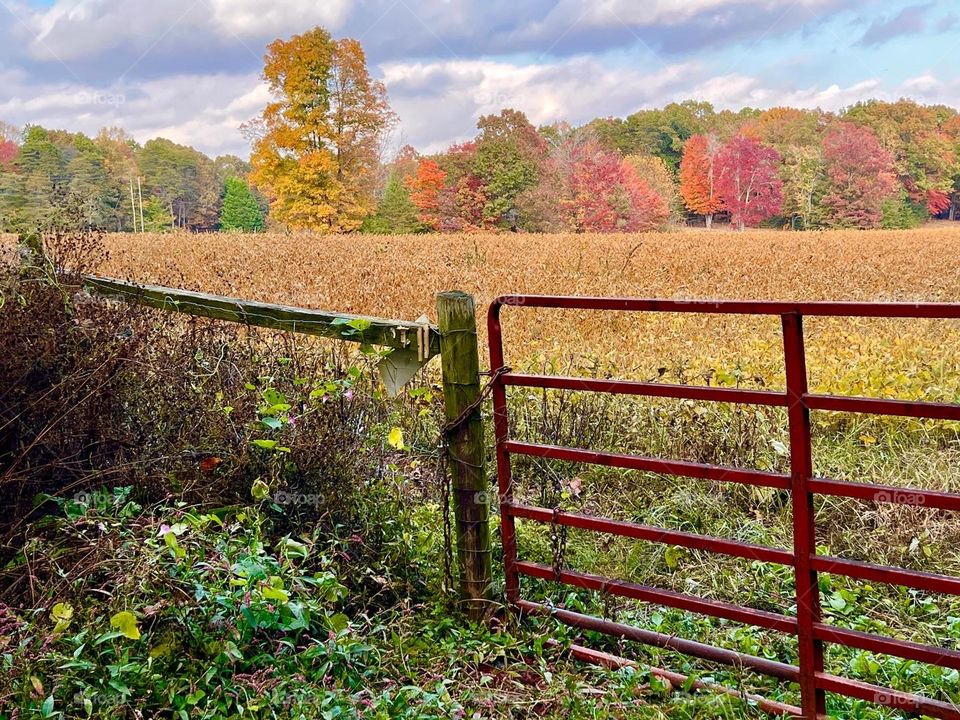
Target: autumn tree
x=89, y=182
x=604, y=193
x=663, y=132
x=9, y=131
x=861, y=176
x=541, y=207
x=804, y=183
x=40, y=172
x=587, y=188
x=119, y=151
x=698, y=177
x=425, y=187
x=748, y=180
x=797, y=136
x=509, y=155
x=922, y=152
x=8, y=153
x=464, y=206
x=655, y=172
x=465, y=197
x=317, y=149
x=183, y=179
x=951, y=129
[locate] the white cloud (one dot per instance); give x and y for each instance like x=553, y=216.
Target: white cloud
x=439, y=102
x=675, y=12
x=200, y=110
x=735, y=91
x=70, y=30
x=930, y=89
x=197, y=62
x=74, y=29
x=257, y=18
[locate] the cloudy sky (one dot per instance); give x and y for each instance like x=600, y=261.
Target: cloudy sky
x=189, y=69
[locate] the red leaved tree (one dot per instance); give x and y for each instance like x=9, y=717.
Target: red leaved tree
x=748, y=180
x=471, y=199
x=8, y=153
x=861, y=175
x=425, y=187
x=465, y=196
x=937, y=202
x=602, y=193
x=698, y=179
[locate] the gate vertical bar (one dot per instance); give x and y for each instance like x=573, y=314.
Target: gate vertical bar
x=460, y=360
x=810, y=650
x=501, y=426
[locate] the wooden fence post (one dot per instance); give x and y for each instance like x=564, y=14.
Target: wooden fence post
x=465, y=448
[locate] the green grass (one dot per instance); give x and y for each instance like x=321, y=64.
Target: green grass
x=225, y=619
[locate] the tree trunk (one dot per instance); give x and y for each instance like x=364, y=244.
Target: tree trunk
x=740, y=226
x=953, y=208
x=709, y=219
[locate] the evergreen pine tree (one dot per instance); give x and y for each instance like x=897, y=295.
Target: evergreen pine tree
x=240, y=210
x=396, y=214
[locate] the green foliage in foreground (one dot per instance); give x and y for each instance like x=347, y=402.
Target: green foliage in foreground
x=194, y=614
x=209, y=618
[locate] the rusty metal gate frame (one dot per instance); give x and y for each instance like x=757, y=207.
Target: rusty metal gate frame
x=808, y=627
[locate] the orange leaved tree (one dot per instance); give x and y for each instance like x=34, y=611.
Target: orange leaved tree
x=425, y=187
x=698, y=186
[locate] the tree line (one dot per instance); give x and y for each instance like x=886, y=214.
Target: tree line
x=318, y=162
x=874, y=165
x=120, y=185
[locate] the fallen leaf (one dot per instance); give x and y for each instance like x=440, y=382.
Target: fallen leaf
x=209, y=464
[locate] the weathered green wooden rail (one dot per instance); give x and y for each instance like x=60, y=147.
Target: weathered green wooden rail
x=413, y=344
x=397, y=334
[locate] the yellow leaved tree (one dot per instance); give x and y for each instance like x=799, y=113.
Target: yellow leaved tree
x=317, y=146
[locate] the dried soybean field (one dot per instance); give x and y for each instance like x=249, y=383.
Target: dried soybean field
x=398, y=276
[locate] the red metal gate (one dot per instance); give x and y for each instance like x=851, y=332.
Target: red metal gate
x=808, y=625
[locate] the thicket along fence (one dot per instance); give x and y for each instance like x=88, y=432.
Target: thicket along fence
x=412, y=345
x=808, y=625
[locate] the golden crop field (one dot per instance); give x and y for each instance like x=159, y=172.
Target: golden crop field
x=399, y=276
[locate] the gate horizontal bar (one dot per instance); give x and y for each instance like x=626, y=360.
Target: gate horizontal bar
x=649, y=532
x=888, y=646
x=879, y=406
x=887, y=696
x=944, y=311
x=655, y=465
x=669, y=642
x=648, y=389
x=773, y=398
x=930, y=582
x=885, y=493
x=614, y=662
x=667, y=598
